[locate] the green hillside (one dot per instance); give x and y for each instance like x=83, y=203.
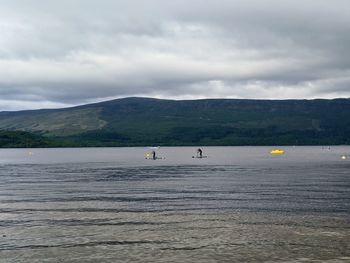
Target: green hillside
x=144, y=121
x=12, y=139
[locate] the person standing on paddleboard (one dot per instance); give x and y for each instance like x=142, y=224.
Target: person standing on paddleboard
x=199, y=153
x=154, y=155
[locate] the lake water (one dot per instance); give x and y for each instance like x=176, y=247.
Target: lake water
x=240, y=204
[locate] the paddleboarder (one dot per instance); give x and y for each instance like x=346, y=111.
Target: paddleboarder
x=199, y=153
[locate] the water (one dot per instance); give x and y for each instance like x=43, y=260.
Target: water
x=240, y=204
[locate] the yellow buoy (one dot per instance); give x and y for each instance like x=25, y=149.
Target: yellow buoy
x=277, y=151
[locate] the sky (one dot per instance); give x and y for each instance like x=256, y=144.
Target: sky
x=71, y=52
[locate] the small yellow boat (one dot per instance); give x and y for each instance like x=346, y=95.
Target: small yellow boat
x=277, y=151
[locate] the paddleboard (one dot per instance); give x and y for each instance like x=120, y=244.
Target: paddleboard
x=157, y=158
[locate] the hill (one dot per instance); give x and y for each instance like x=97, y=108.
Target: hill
x=146, y=121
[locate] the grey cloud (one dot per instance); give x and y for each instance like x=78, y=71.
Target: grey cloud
x=71, y=52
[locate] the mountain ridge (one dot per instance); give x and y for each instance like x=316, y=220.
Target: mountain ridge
x=146, y=121
x=172, y=100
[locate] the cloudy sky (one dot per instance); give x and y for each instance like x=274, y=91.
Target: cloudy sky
x=69, y=52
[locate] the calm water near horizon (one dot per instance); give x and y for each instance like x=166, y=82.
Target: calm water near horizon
x=241, y=204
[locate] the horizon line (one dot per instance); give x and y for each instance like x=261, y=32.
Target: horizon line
x=173, y=99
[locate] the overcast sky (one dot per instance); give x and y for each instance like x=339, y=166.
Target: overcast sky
x=68, y=52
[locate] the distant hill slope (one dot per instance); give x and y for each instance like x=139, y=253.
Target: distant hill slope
x=145, y=121
x=62, y=122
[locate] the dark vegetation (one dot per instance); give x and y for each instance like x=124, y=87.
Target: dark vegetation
x=10, y=139
x=142, y=121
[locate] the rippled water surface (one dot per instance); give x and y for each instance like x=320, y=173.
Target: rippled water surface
x=240, y=204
